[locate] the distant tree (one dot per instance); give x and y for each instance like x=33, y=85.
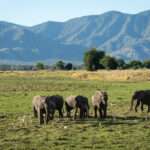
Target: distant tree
x=68, y=66
x=147, y=64
x=109, y=62
x=60, y=65
x=135, y=64
x=121, y=63
x=92, y=59
x=40, y=66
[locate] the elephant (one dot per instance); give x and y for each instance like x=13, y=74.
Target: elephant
x=142, y=97
x=100, y=103
x=40, y=108
x=55, y=102
x=82, y=104
x=70, y=104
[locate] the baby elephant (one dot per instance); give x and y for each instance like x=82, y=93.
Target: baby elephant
x=99, y=102
x=39, y=106
x=82, y=104
x=54, y=102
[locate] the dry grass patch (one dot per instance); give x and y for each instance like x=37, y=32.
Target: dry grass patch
x=112, y=75
x=116, y=75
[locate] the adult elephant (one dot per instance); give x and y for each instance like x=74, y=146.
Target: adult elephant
x=55, y=102
x=100, y=103
x=39, y=106
x=82, y=105
x=70, y=104
x=141, y=97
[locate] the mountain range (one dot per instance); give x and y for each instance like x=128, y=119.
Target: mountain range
x=119, y=34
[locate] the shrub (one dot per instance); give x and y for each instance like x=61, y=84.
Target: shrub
x=135, y=64
x=40, y=66
x=109, y=62
x=91, y=59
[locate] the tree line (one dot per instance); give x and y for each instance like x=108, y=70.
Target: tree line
x=94, y=60
x=60, y=65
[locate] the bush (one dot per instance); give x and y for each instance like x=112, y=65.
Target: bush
x=60, y=65
x=121, y=63
x=40, y=66
x=68, y=66
x=91, y=59
x=147, y=64
x=135, y=64
x=109, y=62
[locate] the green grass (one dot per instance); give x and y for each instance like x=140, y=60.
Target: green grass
x=20, y=131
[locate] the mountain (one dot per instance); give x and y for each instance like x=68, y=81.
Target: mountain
x=122, y=35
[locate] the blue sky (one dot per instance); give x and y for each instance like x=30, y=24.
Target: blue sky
x=31, y=12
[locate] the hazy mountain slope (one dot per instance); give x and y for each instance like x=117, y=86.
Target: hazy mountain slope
x=122, y=35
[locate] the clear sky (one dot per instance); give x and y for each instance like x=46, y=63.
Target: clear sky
x=31, y=12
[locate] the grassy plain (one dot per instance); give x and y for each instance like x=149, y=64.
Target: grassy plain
x=121, y=130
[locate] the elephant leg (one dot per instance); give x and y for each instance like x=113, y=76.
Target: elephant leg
x=75, y=114
x=95, y=111
x=40, y=116
x=105, y=111
x=35, y=112
x=137, y=105
x=81, y=113
x=142, y=107
x=68, y=114
x=87, y=112
x=60, y=113
x=148, y=108
x=100, y=113
x=52, y=116
x=46, y=116
x=84, y=113
x=68, y=110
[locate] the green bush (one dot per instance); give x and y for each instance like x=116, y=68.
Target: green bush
x=92, y=58
x=40, y=66
x=109, y=62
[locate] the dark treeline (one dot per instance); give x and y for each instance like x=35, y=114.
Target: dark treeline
x=60, y=65
x=6, y=67
x=93, y=60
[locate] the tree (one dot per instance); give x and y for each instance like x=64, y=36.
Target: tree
x=60, y=65
x=91, y=59
x=40, y=66
x=147, y=64
x=68, y=66
x=109, y=62
x=121, y=63
x=135, y=64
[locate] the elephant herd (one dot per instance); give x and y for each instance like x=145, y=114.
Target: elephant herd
x=44, y=107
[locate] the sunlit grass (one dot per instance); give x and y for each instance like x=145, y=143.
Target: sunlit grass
x=121, y=130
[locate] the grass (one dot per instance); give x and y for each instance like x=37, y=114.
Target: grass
x=121, y=130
